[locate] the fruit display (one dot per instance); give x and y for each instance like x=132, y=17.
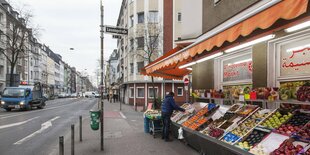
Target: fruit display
x=215, y=132
x=254, y=138
x=296, y=123
x=275, y=120
x=259, y=150
x=303, y=93
x=262, y=93
x=152, y=114
x=195, y=125
x=304, y=133
x=241, y=130
x=261, y=114
x=288, y=90
x=235, y=91
x=234, y=108
x=178, y=115
x=226, y=125
x=289, y=147
x=246, y=110
x=228, y=116
x=230, y=138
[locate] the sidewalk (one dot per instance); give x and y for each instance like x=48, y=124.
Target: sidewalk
x=123, y=135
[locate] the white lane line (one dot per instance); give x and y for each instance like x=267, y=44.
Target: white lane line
x=35, y=111
x=122, y=115
x=16, y=124
x=44, y=126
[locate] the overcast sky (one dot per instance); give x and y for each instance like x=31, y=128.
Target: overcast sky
x=74, y=24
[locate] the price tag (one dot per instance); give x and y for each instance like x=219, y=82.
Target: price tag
x=241, y=98
x=208, y=95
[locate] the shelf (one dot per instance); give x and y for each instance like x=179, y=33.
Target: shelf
x=258, y=100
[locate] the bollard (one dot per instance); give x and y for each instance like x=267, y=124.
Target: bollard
x=80, y=128
x=72, y=139
x=61, y=145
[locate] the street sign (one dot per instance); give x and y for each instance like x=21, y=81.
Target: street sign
x=116, y=37
x=115, y=30
x=186, y=81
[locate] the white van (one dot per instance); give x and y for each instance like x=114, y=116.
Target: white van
x=89, y=94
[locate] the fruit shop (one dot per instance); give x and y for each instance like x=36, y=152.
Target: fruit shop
x=250, y=84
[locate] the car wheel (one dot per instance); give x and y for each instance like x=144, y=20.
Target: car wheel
x=8, y=109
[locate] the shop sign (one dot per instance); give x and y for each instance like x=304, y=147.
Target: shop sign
x=295, y=61
x=239, y=70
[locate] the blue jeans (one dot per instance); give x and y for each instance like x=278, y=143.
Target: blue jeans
x=166, y=124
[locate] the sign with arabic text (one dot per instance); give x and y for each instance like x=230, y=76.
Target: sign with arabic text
x=295, y=61
x=239, y=68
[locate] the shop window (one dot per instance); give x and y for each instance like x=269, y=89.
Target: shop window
x=140, y=92
x=180, y=91
x=238, y=68
x=141, y=17
x=153, y=17
x=131, y=92
x=151, y=92
x=140, y=42
x=289, y=59
x=179, y=17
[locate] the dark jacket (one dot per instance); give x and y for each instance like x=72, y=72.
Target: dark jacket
x=169, y=105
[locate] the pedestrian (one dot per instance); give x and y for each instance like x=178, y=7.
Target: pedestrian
x=166, y=111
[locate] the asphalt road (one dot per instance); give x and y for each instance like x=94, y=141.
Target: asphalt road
x=36, y=132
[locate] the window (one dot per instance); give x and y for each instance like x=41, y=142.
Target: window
x=132, y=44
x=180, y=91
x=154, y=42
x=131, y=92
x=179, y=16
x=140, y=92
x=141, y=17
x=131, y=68
x=153, y=16
x=1, y=16
x=151, y=92
x=140, y=41
x=140, y=65
x=131, y=21
x=31, y=75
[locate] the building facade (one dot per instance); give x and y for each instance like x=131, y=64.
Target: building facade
x=150, y=34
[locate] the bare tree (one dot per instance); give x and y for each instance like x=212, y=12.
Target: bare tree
x=15, y=39
x=152, y=32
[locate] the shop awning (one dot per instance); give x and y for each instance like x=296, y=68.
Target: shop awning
x=170, y=71
x=286, y=9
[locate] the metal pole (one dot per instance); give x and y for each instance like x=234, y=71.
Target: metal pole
x=80, y=128
x=72, y=139
x=101, y=83
x=61, y=145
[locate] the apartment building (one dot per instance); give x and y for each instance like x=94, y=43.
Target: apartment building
x=147, y=32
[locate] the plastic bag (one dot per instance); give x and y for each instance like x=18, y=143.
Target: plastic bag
x=180, y=133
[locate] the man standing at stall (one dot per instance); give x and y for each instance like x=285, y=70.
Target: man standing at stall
x=166, y=111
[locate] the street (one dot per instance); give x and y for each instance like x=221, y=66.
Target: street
x=37, y=131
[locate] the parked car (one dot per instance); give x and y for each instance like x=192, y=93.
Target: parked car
x=89, y=94
x=62, y=95
x=74, y=95
x=97, y=95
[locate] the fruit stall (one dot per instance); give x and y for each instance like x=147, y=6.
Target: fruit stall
x=243, y=128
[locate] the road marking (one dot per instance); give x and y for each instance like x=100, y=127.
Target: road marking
x=122, y=115
x=44, y=126
x=16, y=124
x=13, y=115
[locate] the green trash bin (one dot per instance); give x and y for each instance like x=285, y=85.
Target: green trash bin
x=94, y=119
